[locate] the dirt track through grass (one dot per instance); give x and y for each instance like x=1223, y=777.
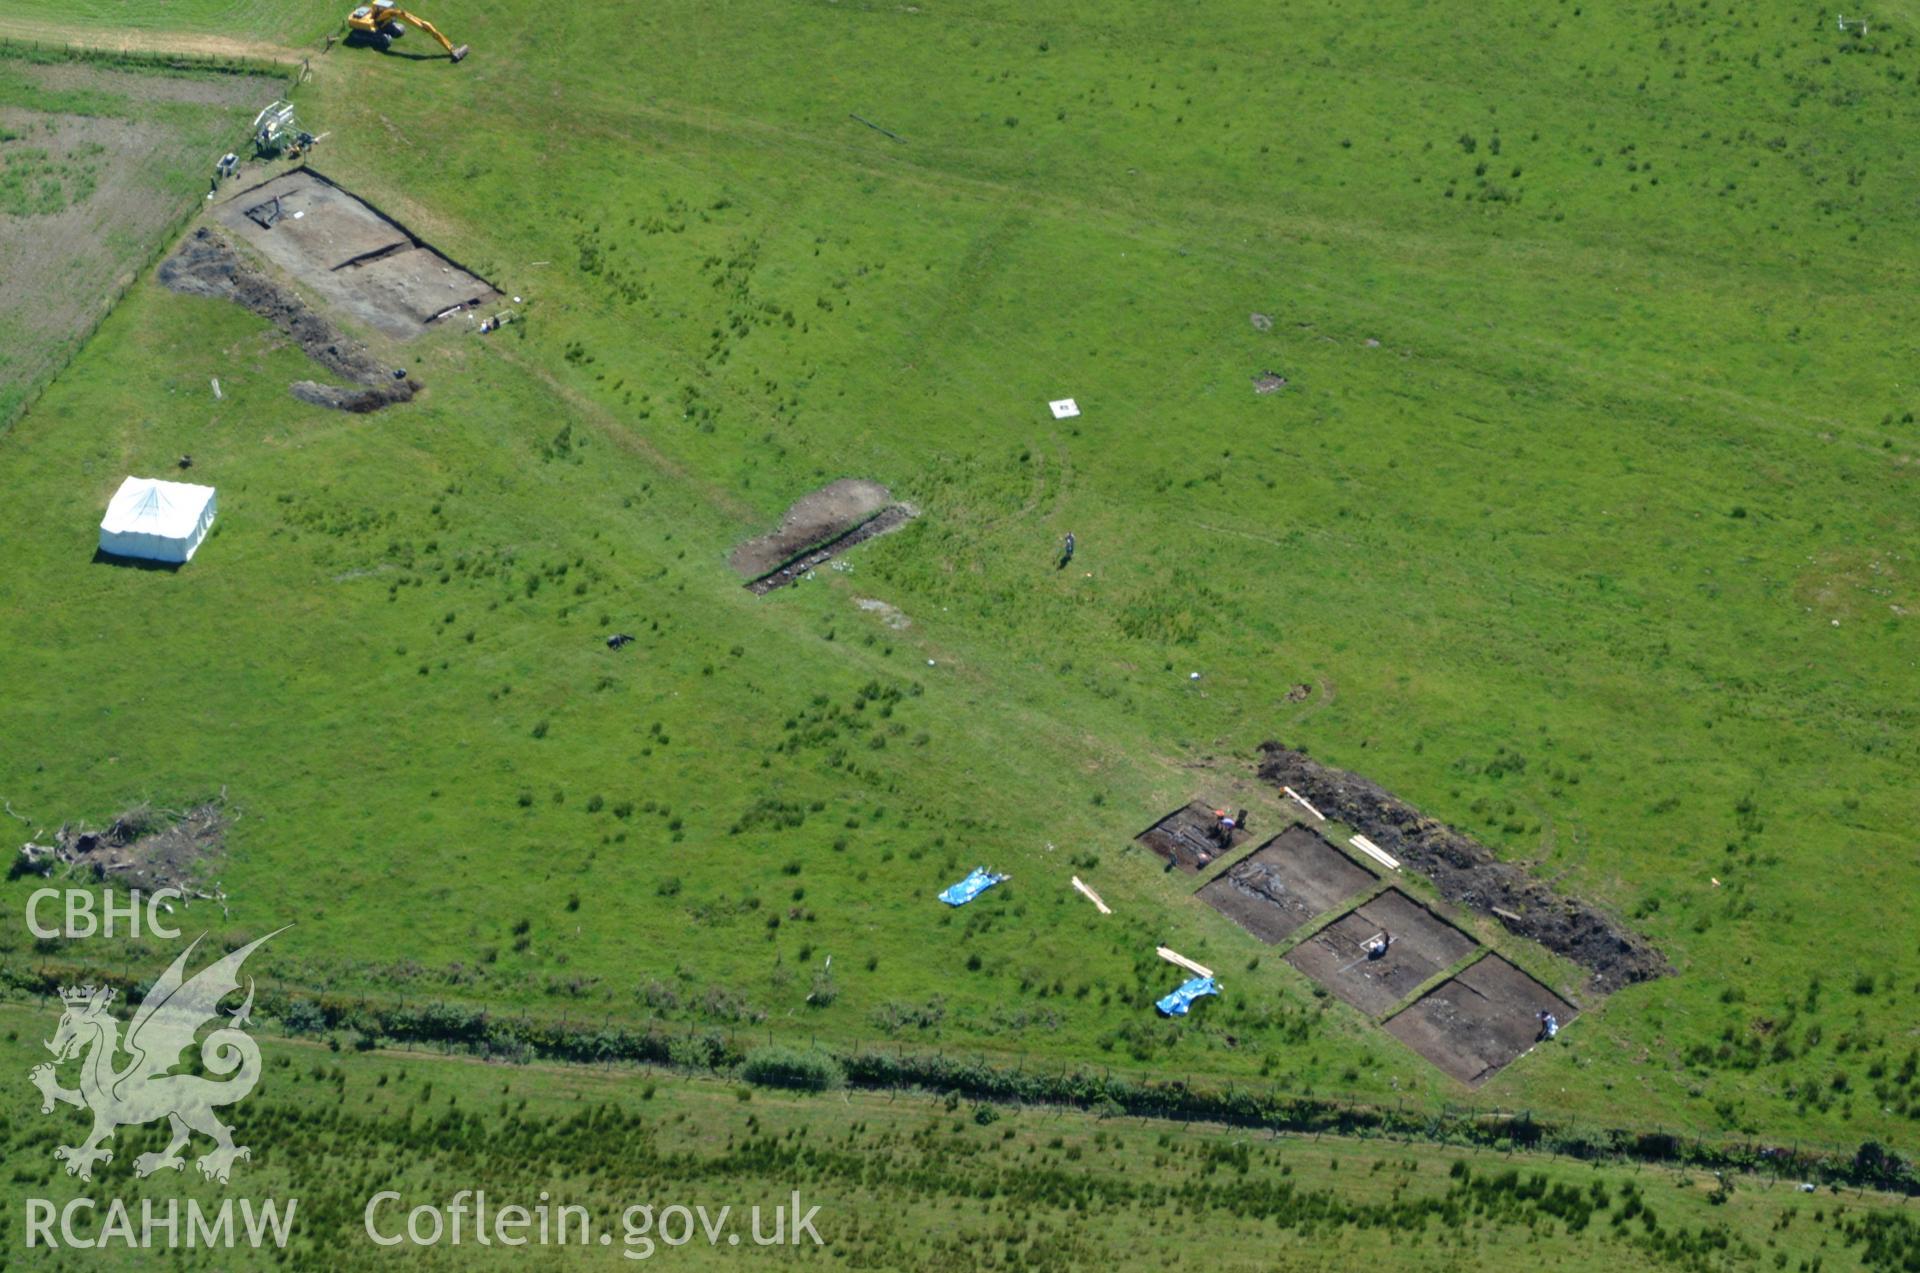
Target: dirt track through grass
x=268, y=29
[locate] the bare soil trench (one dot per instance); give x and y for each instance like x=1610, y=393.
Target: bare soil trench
x=1285, y=883
x=1419, y=945
x=1476, y=1024
x=1185, y=838
x=818, y=527
x=350, y=254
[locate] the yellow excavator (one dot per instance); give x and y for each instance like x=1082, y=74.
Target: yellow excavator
x=381, y=23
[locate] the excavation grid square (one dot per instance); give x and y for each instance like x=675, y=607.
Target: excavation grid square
x=1474, y=1024
x=1284, y=883
x=1185, y=838
x=1419, y=945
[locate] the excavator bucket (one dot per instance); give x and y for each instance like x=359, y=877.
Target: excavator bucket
x=459, y=52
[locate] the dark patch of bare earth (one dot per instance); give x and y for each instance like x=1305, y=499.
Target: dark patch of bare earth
x=1474, y=1025
x=206, y=265
x=358, y=260
x=1285, y=883
x=816, y=528
x=1185, y=838
x=1467, y=873
x=1419, y=945
x=144, y=848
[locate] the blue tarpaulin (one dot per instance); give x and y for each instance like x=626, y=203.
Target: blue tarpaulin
x=973, y=886
x=1177, y=1003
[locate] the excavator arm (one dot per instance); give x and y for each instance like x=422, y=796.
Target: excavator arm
x=379, y=25
x=455, y=53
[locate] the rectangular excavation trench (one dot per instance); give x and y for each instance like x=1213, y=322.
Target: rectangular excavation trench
x=351, y=255
x=1285, y=883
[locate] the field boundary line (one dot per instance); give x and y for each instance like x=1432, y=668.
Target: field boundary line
x=169, y=234
x=213, y=53
x=524, y=1038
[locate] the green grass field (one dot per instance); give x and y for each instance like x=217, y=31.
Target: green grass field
x=1586, y=514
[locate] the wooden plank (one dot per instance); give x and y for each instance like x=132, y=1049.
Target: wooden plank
x=1173, y=956
x=1374, y=851
x=1302, y=802
x=1092, y=896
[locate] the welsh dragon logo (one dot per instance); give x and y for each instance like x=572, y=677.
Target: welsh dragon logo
x=141, y=1088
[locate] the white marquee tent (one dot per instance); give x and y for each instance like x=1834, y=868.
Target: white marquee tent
x=162, y=521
